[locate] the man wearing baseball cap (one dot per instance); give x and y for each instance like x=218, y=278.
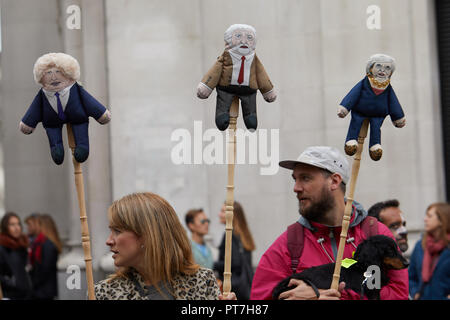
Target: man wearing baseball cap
x=320, y=176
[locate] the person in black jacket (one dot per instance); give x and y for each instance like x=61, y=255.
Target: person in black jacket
x=43, y=258
x=242, y=245
x=14, y=278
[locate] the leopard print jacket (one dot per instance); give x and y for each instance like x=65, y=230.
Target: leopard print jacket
x=200, y=286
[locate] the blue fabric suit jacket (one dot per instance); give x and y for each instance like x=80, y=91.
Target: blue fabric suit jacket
x=79, y=108
x=364, y=103
x=363, y=100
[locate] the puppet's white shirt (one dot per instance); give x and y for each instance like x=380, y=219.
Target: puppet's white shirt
x=64, y=95
x=236, y=58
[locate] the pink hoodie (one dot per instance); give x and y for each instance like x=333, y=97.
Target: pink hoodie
x=275, y=264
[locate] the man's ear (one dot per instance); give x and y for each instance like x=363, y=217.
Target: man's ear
x=336, y=180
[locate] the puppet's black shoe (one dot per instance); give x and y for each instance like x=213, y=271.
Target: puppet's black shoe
x=81, y=154
x=222, y=121
x=57, y=153
x=251, y=122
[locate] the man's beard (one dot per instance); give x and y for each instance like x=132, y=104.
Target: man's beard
x=319, y=208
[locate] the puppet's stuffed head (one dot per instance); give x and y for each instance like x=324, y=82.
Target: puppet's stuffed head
x=380, y=67
x=240, y=39
x=56, y=71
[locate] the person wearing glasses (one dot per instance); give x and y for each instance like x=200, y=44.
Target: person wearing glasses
x=198, y=224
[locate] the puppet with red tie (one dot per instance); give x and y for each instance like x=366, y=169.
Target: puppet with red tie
x=237, y=72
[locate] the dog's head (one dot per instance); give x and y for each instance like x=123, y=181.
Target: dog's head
x=381, y=251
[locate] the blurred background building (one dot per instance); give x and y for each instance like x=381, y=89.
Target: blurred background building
x=144, y=58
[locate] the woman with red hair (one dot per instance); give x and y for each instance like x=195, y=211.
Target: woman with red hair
x=429, y=278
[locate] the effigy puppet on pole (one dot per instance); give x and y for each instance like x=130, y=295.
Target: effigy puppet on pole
x=237, y=75
x=372, y=98
x=370, y=101
x=63, y=101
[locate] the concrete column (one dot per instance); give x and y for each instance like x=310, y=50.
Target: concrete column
x=87, y=44
x=32, y=181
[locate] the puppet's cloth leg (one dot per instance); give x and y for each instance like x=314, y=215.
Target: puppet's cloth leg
x=54, y=135
x=223, y=105
x=355, y=126
x=375, y=130
x=81, y=136
x=248, y=102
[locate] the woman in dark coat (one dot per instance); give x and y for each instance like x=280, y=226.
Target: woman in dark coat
x=429, y=277
x=14, y=278
x=242, y=245
x=44, y=252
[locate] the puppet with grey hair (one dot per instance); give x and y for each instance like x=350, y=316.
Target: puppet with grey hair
x=373, y=98
x=62, y=100
x=237, y=72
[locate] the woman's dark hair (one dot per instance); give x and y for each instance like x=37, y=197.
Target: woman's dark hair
x=5, y=222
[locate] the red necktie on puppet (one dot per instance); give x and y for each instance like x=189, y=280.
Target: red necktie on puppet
x=241, y=72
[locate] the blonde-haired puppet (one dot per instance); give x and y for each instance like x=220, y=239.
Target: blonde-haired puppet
x=237, y=72
x=373, y=98
x=62, y=100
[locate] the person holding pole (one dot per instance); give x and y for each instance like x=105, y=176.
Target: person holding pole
x=153, y=254
x=320, y=176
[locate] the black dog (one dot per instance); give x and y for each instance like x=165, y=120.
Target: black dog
x=378, y=251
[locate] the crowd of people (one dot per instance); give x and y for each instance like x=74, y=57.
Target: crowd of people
x=155, y=258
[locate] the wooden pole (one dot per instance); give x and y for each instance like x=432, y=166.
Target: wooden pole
x=229, y=202
x=348, y=205
x=1, y=292
x=85, y=239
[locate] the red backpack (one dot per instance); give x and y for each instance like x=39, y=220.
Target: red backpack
x=295, y=236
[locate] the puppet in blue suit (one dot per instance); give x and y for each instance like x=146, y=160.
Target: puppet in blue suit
x=373, y=98
x=62, y=100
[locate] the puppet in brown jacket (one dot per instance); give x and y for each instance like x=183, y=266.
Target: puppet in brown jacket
x=237, y=72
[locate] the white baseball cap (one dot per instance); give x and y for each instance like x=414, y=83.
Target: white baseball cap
x=327, y=158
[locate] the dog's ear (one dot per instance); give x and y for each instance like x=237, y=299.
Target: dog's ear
x=392, y=258
x=394, y=263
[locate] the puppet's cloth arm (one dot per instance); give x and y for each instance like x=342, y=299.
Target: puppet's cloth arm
x=212, y=77
x=33, y=115
x=395, y=110
x=352, y=98
x=264, y=83
x=94, y=108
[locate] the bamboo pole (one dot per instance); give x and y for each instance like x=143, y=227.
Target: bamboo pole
x=348, y=205
x=229, y=202
x=85, y=238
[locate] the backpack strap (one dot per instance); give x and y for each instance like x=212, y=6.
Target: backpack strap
x=295, y=242
x=369, y=226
